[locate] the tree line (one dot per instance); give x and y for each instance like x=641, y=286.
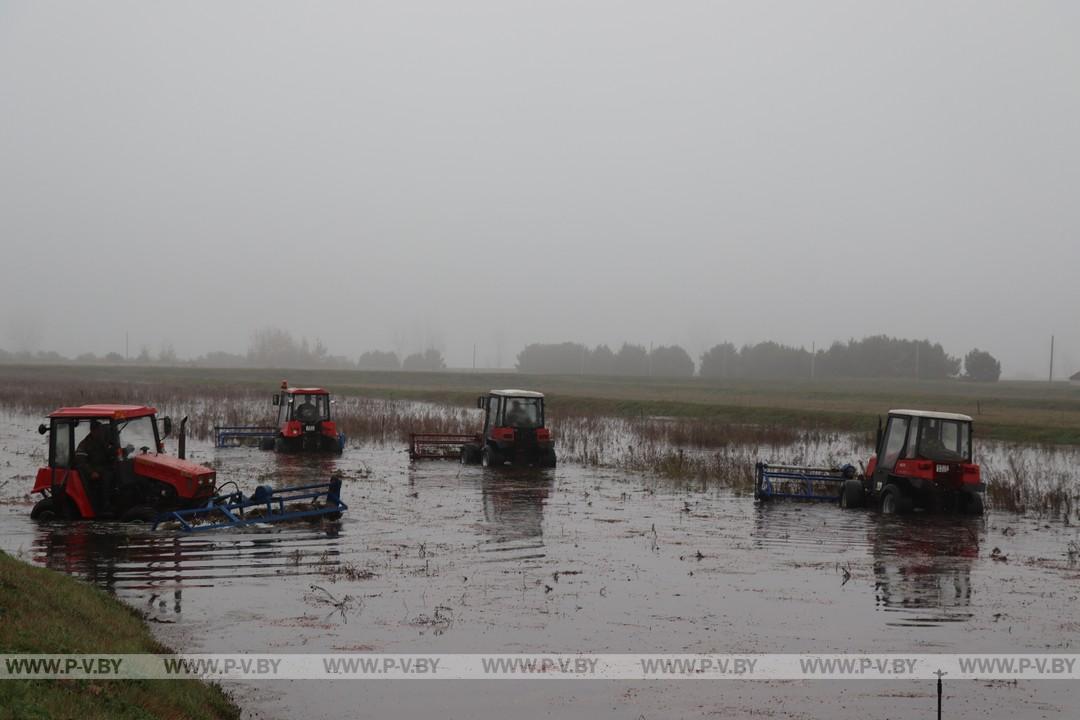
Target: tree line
x=878, y=356
x=269, y=348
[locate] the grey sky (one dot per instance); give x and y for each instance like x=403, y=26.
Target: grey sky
x=393, y=174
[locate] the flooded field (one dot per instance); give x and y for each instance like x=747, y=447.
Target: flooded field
x=595, y=556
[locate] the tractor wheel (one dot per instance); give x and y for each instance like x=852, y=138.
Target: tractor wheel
x=45, y=510
x=139, y=513
x=894, y=501
x=489, y=457
x=547, y=458
x=470, y=454
x=851, y=495
x=973, y=505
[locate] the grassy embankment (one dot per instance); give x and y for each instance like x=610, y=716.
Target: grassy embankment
x=42, y=611
x=1028, y=412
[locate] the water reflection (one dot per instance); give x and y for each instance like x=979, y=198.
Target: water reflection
x=514, y=502
x=154, y=569
x=922, y=567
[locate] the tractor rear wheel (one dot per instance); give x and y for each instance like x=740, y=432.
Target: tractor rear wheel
x=894, y=501
x=973, y=505
x=851, y=495
x=547, y=458
x=490, y=457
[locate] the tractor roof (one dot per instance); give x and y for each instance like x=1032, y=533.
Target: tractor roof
x=108, y=412
x=517, y=393
x=307, y=391
x=932, y=414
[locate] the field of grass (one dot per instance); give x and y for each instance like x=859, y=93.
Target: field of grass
x=1030, y=412
x=43, y=611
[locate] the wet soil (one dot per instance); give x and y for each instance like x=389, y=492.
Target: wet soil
x=439, y=558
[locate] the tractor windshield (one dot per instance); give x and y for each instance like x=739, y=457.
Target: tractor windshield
x=138, y=435
x=310, y=408
x=523, y=413
x=943, y=440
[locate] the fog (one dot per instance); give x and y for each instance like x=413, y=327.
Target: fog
x=395, y=175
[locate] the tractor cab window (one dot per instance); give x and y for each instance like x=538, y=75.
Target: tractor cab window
x=943, y=440
x=895, y=439
x=310, y=408
x=137, y=436
x=61, y=444
x=522, y=413
x=493, y=411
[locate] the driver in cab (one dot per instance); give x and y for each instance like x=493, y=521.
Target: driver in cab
x=93, y=460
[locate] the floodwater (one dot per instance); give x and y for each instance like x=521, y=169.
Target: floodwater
x=436, y=558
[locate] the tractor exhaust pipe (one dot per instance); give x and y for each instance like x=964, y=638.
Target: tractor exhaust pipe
x=181, y=442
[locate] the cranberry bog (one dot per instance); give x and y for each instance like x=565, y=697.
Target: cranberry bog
x=645, y=539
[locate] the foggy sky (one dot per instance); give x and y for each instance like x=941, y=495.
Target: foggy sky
x=398, y=174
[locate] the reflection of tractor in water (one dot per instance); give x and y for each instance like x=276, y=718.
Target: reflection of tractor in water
x=514, y=508
x=514, y=432
x=304, y=421
x=109, y=462
x=923, y=460
x=926, y=572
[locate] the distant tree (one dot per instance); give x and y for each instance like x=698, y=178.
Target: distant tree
x=981, y=366
x=632, y=360
x=601, y=361
x=378, y=360
x=219, y=359
x=143, y=357
x=430, y=360
x=87, y=358
x=721, y=361
x=167, y=354
x=774, y=361
x=557, y=359
x=671, y=361
x=113, y=358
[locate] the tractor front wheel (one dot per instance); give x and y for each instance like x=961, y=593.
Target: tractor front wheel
x=139, y=513
x=894, y=501
x=851, y=495
x=45, y=510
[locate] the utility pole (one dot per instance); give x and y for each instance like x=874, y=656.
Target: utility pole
x=813, y=357
x=474, y=357
x=650, y=359
x=125, y=345
x=917, y=359
x=1051, y=358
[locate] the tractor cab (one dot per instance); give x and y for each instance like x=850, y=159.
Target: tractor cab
x=303, y=420
x=514, y=431
x=109, y=461
x=922, y=460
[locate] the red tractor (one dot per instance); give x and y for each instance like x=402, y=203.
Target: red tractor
x=108, y=462
x=922, y=460
x=514, y=431
x=304, y=421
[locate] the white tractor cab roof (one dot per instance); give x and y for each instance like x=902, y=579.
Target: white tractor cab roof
x=517, y=393
x=932, y=414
